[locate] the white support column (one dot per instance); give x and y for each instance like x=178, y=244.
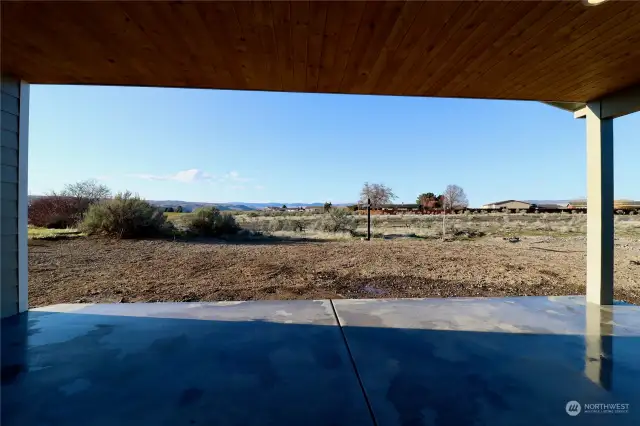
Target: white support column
x=598, y=359
x=600, y=232
x=14, y=146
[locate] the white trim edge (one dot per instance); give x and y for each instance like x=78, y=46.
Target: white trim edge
x=23, y=197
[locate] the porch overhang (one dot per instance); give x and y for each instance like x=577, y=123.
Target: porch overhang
x=565, y=52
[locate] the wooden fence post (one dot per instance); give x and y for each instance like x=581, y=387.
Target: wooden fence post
x=368, y=219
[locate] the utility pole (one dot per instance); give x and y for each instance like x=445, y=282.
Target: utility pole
x=368, y=219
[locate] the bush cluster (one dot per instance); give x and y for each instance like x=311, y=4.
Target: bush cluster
x=124, y=216
x=55, y=211
x=296, y=225
x=209, y=221
x=66, y=209
x=338, y=220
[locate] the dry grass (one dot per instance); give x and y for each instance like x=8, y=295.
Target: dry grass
x=501, y=225
x=549, y=260
x=175, y=215
x=37, y=233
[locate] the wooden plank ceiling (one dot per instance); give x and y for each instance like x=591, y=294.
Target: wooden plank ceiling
x=537, y=50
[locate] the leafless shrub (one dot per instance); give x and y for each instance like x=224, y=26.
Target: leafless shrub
x=378, y=193
x=89, y=191
x=54, y=211
x=67, y=208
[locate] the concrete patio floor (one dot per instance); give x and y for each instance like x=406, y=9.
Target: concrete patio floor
x=493, y=361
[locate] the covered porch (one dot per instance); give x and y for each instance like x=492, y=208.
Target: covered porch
x=499, y=361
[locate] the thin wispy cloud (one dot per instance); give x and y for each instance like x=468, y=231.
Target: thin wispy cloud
x=194, y=176
x=234, y=176
x=186, y=176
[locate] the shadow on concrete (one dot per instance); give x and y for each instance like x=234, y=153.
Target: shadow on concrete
x=73, y=368
x=90, y=369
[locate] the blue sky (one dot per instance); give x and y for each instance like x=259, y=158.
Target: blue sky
x=222, y=146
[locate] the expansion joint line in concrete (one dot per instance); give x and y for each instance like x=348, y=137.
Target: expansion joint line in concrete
x=353, y=364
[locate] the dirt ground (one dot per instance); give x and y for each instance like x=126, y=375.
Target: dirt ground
x=96, y=270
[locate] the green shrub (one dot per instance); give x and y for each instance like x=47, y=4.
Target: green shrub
x=124, y=216
x=295, y=225
x=338, y=220
x=299, y=225
x=276, y=225
x=211, y=222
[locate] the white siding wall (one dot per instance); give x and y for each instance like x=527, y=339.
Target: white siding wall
x=9, y=165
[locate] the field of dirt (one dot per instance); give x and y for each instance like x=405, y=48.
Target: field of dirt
x=97, y=270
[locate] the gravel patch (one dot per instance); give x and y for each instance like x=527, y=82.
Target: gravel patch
x=98, y=270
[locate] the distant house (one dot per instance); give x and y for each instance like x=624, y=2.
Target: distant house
x=577, y=204
x=509, y=204
x=400, y=207
x=284, y=209
x=314, y=209
x=550, y=206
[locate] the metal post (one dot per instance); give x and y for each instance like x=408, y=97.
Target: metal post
x=600, y=232
x=368, y=219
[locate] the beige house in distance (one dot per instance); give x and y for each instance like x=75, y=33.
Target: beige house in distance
x=508, y=204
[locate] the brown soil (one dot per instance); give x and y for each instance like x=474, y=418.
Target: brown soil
x=96, y=270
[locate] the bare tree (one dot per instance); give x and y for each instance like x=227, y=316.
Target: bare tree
x=89, y=191
x=67, y=207
x=378, y=193
x=84, y=193
x=454, y=198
